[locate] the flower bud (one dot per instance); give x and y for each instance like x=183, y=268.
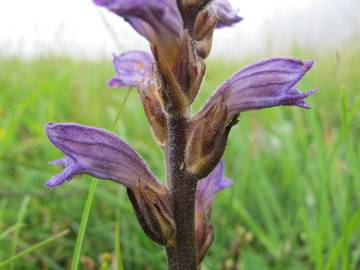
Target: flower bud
x=151, y=204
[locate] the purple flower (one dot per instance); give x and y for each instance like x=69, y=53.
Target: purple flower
x=159, y=21
x=227, y=16
x=132, y=68
x=209, y=186
x=266, y=84
x=205, y=194
x=95, y=152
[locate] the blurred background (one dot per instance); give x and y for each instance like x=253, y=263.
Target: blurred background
x=296, y=194
x=76, y=28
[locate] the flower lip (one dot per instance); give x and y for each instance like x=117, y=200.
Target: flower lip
x=71, y=169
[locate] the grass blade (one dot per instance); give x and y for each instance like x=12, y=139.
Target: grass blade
x=89, y=201
x=83, y=224
x=10, y=230
x=118, y=254
x=33, y=248
x=18, y=225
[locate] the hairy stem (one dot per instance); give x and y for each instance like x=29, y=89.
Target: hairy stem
x=183, y=255
x=171, y=255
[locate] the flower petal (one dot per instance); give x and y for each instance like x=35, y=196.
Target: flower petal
x=263, y=85
x=209, y=186
x=95, y=152
x=159, y=21
x=132, y=68
x=227, y=16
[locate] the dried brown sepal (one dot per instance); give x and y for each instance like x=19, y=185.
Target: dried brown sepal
x=152, y=207
x=185, y=66
x=204, y=30
x=181, y=82
x=207, y=140
x=203, y=47
x=196, y=84
x=189, y=10
x=154, y=109
x=189, y=69
x=205, y=24
x=204, y=234
x=175, y=100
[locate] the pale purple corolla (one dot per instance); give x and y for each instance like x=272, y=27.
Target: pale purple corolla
x=100, y=153
x=209, y=186
x=135, y=69
x=204, y=197
x=266, y=84
x=131, y=69
x=96, y=152
x=159, y=21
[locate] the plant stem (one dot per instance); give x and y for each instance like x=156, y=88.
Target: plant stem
x=183, y=255
x=171, y=255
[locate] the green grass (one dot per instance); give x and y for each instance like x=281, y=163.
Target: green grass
x=295, y=203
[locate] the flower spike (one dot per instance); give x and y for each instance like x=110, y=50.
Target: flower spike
x=180, y=35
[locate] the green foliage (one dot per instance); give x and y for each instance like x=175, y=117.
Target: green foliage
x=294, y=204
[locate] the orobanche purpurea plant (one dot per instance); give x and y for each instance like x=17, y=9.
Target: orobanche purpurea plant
x=176, y=215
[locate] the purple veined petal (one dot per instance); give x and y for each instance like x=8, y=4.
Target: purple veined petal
x=266, y=84
x=132, y=68
x=209, y=186
x=95, y=152
x=226, y=14
x=159, y=21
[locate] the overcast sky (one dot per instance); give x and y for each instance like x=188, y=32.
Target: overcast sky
x=76, y=27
